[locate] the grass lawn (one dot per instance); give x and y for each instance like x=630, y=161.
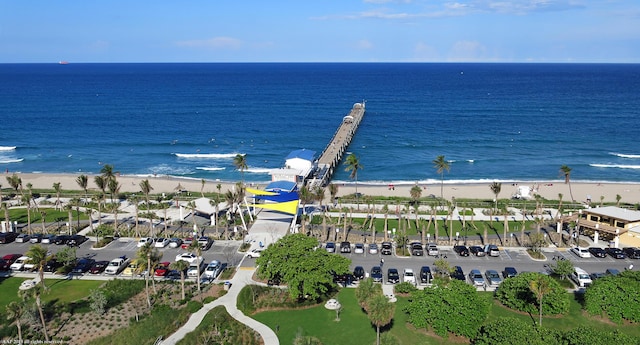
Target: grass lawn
x=60, y=290
x=9, y=288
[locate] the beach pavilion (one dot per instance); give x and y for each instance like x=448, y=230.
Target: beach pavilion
x=297, y=167
x=614, y=224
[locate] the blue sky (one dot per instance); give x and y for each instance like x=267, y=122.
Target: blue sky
x=320, y=31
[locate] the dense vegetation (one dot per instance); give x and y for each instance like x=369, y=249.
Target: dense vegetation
x=516, y=293
x=618, y=297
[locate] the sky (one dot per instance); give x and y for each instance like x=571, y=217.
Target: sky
x=35, y=31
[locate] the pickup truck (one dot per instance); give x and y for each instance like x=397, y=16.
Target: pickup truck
x=117, y=265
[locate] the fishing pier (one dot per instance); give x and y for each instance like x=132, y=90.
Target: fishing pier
x=333, y=152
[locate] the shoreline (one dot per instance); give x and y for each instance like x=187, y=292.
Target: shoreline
x=629, y=191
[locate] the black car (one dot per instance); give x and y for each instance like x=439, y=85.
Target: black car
x=477, y=251
x=632, y=252
x=61, y=239
x=597, y=252
x=393, y=277
x=83, y=265
x=345, y=247
x=76, y=240
x=425, y=275
x=461, y=250
x=358, y=272
x=4, y=265
x=416, y=249
x=458, y=273
x=386, y=248
x=615, y=253
x=376, y=274
x=509, y=272
x=343, y=279
x=52, y=265
x=8, y=237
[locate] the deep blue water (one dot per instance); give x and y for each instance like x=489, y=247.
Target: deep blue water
x=492, y=121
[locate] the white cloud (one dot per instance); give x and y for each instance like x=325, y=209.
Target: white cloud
x=219, y=42
x=467, y=51
x=364, y=45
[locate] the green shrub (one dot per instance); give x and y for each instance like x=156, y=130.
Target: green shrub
x=404, y=287
x=193, y=306
x=515, y=293
x=120, y=290
x=616, y=296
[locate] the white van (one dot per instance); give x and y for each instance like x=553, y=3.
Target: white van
x=581, y=277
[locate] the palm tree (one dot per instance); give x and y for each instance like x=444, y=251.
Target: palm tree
x=57, y=187
x=38, y=257
x=560, y=195
x=333, y=191
x=197, y=248
x=69, y=208
x=380, y=312
x=146, y=258
x=15, y=312
x=618, y=198
x=440, y=164
x=353, y=165
x=35, y=293
x=240, y=162
x=319, y=194
x=540, y=288
x=566, y=171
x=202, y=182
x=495, y=188
x=114, y=188
x=366, y=289
x=6, y=216
x=15, y=182
x=180, y=266
x=146, y=188
x=83, y=182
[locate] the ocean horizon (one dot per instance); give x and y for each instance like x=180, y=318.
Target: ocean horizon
x=492, y=122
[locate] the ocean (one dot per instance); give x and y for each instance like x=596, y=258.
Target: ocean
x=492, y=122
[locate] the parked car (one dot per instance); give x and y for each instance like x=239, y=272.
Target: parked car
x=597, y=275
x=213, y=269
x=255, y=253
x=175, y=242
x=432, y=249
x=98, y=267
x=195, y=269
x=345, y=279
x=116, y=265
x=492, y=250
x=47, y=239
x=597, y=252
x=581, y=277
x=330, y=247
x=358, y=248
x=416, y=249
x=393, y=277
x=616, y=253
x=477, y=251
x=408, y=276
x=458, y=273
x=612, y=272
x=461, y=250
x=632, y=252
x=5, y=265
x=52, y=266
x=476, y=277
x=144, y=241
x=358, y=272
x=387, y=248
x=373, y=248
x=61, y=239
x=23, y=238
x=7, y=237
x=509, y=272
x=581, y=252
x=425, y=275
x=76, y=240
x=161, y=242
x=493, y=278
x=83, y=266
x=10, y=258
x=376, y=274
x=131, y=269
x=186, y=243
x=35, y=238
x=345, y=247
x=20, y=264
x=205, y=242
x=188, y=257
x=162, y=269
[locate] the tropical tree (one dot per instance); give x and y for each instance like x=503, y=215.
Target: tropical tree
x=566, y=171
x=38, y=257
x=146, y=258
x=7, y=220
x=240, y=162
x=441, y=165
x=181, y=266
x=114, y=189
x=15, y=312
x=35, y=293
x=57, y=187
x=319, y=194
x=495, y=188
x=618, y=198
x=197, y=248
x=366, y=289
x=380, y=312
x=560, y=196
x=202, y=182
x=15, y=182
x=353, y=165
x=146, y=188
x=540, y=288
x=83, y=182
x=333, y=191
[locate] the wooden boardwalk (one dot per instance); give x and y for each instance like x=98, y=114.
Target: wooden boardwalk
x=338, y=145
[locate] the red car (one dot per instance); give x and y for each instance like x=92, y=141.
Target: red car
x=98, y=267
x=186, y=243
x=7, y=260
x=163, y=269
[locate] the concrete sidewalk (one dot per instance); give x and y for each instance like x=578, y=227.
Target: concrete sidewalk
x=242, y=277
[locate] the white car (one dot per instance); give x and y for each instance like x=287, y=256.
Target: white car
x=408, y=276
x=213, y=269
x=255, y=253
x=188, y=257
x=359, y=248
x=21, y=264
x=143, y=241
x=161, y=242
x=432, y=249
x=581, y=252
x=116, y=265
x=373, y=248
x=194, y=269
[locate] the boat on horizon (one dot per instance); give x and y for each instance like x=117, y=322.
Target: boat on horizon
x=62, y=62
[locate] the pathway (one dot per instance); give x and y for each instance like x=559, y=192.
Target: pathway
x=242, y=277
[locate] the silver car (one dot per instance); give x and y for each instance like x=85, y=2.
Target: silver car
x=476, y=277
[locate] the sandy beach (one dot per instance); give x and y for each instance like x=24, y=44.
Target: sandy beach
x=630, y=192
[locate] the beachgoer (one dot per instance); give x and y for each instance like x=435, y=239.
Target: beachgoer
x=381, y=262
